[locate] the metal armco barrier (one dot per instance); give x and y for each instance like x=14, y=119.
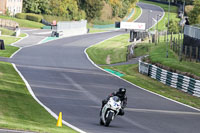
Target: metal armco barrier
x=2, y=47
x=174, y=80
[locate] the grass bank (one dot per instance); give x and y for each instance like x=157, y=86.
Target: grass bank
x=131, y=71
x=157, y=54
x=110, y=51
x=18, y=109
x=24, y=23
x=6, y=32
x=9, y=50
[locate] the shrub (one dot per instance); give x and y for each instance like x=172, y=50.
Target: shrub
x=34, y=17
x=21, y=15
x=188, y=8
x=174, y=26
x=7, y=12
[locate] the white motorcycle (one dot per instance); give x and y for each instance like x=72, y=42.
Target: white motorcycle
x=110, y=110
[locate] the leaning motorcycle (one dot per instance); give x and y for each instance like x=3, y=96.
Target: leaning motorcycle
x=110, y=110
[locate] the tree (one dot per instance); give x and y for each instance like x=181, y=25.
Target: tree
x=66, y=8
x=36, y=6
x=93, y=8
x=194, y=15
x=173, y=26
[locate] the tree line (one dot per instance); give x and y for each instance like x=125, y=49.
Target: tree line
x=77, y=9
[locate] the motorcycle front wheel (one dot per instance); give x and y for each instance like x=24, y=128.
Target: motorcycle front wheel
x=109, y=119
x=101, y=122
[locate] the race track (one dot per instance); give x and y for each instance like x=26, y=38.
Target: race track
x=63, y=79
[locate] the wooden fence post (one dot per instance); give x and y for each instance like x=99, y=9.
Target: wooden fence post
x=185, y=52
x=190, y=53
x=197, y=53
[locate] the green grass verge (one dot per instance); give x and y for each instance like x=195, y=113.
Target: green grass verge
x=9, y=40
x=23, y=35
x=145, y=48
x=137, y=12
x=6, y=32
x=9, y=50
x=113, y=50
x=93, y=30
x=158, y=55
x=173, y=14
x=162, y=23
x=131, y=74
x=18, y=110
x=24, y=23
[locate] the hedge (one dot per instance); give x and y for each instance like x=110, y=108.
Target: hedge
x=21, y=15
x=34, y=17
x=29, y=16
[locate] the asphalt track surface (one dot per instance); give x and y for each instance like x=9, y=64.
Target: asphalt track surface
x=150, y=12
x=63, y=79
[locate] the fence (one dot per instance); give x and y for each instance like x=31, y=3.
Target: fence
x=192, y=31
x=187, y=48
x=174, y=80
x=8, y=24
x=136, y=35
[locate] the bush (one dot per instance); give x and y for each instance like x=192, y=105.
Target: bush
x=7, y=12
x=21, y=15
x=188, y=8
x=173, y=26
x=34, y=17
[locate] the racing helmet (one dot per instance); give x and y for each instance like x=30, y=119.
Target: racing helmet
x=121, y=92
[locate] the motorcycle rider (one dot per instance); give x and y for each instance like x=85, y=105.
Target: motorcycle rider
x=121, y=93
